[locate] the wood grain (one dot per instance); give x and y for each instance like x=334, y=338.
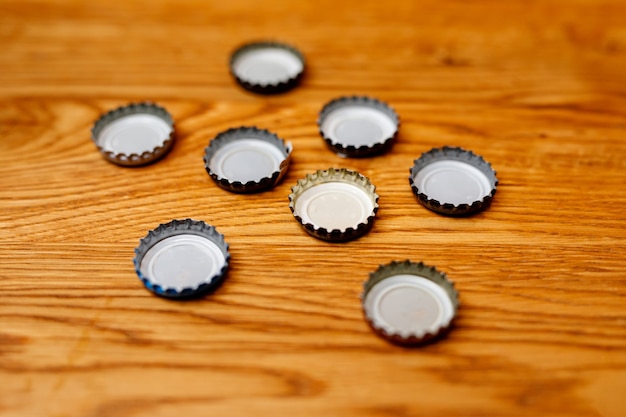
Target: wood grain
x=536, y=87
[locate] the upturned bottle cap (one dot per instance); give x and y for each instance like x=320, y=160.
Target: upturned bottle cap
x=247, y=159
x=453, y=181
x=267, y=67
x=358, y=126
x=182, y=259
x=135, y=134
x=409, y=303
x=334, y=204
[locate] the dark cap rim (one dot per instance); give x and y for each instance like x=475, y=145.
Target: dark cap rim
x=175, y=228
x=421, y=270
x=458, y=154
x=267, y=88
x=363, y=150
x=248, y=132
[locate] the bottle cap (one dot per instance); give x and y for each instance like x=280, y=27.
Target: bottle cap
x=409, y=303
x=358, y=126
x=267, y=67
x=453, y=181
x=135, y=134
x=182, y=259
x=334, y=205
x=247, y=159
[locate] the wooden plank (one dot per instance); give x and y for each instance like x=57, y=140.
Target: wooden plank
x=537, y=88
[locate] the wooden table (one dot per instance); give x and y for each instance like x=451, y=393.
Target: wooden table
x=536, y=87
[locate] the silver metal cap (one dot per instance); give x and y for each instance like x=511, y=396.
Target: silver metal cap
x=409, y=303
x=453, y=181
x=135, y=134
x=247, y=159
x=358, y=126
x=267, y=67
x=334, y=204
x=182, y=259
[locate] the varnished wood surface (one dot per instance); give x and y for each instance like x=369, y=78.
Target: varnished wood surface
x=536, y=87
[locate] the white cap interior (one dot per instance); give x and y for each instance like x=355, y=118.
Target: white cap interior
x=408, y=305
x=246, y=160
x=134, y=134
x=334, y=205
x=182, y=261
x=268, y=65
x=454, y=182
x=357, y=126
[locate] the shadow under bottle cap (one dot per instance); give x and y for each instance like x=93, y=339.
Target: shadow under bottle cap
x=334, y=204
x=358, y=126
x=182, y=259
x=267, y=67
x=135, y=134
x=247, y=159
x=409, y=303
x=453, y=181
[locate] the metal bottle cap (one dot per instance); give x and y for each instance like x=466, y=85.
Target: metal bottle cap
x=134, y=135
x=453, y=181
x=334, y=205
x=358, y=126
x=182, y=259
x=247, y=159
x=409, y=303
x=267, y=67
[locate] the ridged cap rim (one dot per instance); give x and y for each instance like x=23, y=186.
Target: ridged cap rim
x=246, y=132
x=131, y=160
x=175, y=228
x=364, y=150
x=267, y=88
x=456, y=154
x=421, y=270
x=335, y=175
